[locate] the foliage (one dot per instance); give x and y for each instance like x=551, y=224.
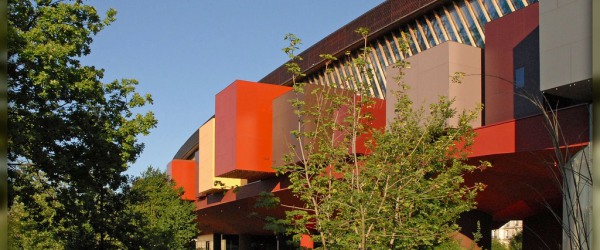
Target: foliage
x=168, y=222
x=67, y=126
x=516, y=242
x=448, y=245
x=405, y=193
x=36, y=230
x=497, y=245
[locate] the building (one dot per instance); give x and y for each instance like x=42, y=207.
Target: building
x=506, y=48
x=507, y=231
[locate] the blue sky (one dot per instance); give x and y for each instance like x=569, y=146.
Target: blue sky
x=185, y=52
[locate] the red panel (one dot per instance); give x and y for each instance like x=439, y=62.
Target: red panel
x=183, y=172
x=501, y=37
x=306, y=242
x=243, y=129
x=530, y=134
x=378, y=122
x=225, y=129
x=494, y=139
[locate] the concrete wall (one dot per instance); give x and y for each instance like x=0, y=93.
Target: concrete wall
x=429, y=78
x=565, y=42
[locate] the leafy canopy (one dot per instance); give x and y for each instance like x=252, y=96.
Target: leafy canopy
x=74, y=132
x=168, y=222
x=404, y=192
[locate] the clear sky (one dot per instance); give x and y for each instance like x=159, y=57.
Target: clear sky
x=184, y=52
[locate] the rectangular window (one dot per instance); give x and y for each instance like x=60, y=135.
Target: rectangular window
x=520, y=77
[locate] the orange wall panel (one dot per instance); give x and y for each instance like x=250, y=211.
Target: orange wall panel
x=379, y=121
x=183, y=172
x=243, y=129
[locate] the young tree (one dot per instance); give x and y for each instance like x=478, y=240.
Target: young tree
x=65, y=123
x=406, y=192
x=168, y=222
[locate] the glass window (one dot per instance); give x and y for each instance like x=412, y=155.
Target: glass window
x=346, y=66
x=504, y=6
x=386, y=50
x=428, y=33
x=471, y=24
x=447, y=26
x=376, y=76
x=518, y=4
x=394, y=44
x=437, y=29
x=479, y=13
x=330, y=79
x=419, y=37
x=491, y=10
x=411, y=41
x=459, y=25
x=377, y=49
x=520, y=77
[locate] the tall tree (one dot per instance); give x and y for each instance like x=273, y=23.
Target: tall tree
x=65, y=122
x=168, y=222
x=406, y=193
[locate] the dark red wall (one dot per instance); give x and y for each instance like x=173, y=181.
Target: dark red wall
x=501, y=37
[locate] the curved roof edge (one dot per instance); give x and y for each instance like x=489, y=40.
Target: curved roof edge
x=379, y=20
x=191, y=144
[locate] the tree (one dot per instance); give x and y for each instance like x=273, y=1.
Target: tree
x=498, y=245
x=516, y=241
x=406, y=192
x=66, y=124
x=168, y=222
x=29, y=230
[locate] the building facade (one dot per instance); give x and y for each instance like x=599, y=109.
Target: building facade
x=510, y=51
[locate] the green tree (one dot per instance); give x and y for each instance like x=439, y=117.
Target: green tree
x=36, y=230
x=66, y=124
x=406, y=193
x=516, y=241
x=498, y=245
x=168, y=222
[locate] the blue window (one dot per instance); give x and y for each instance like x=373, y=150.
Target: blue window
x=489, y=6
x=504, y=6
x=447, y=26
x=520, y=77
x=459, y=25
x=436, y=27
